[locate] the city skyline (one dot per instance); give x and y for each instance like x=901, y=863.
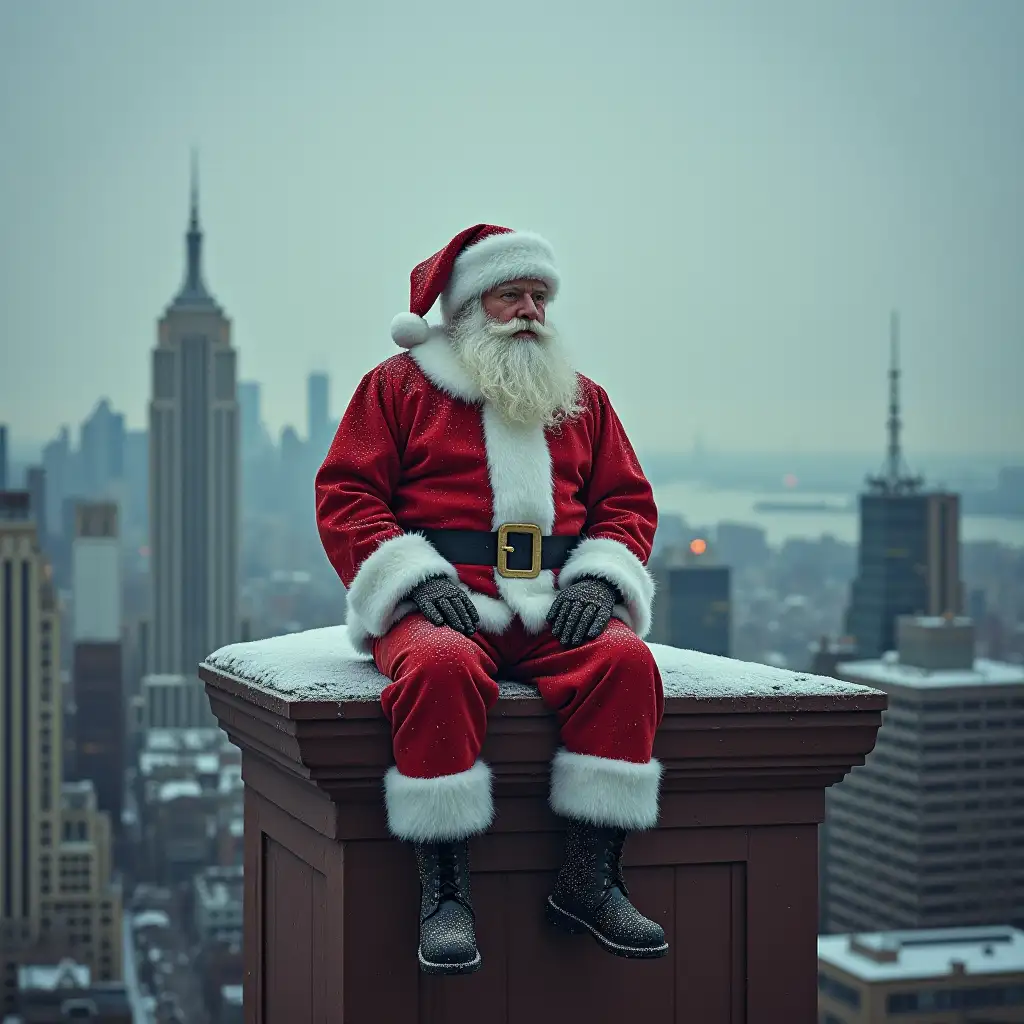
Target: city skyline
x=758, y=244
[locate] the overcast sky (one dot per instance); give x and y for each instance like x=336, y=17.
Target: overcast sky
x=738, y=194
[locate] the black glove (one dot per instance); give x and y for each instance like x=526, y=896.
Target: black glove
x=582, y=610
x=443, y=603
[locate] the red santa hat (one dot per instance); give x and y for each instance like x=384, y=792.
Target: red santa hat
x=473, y=262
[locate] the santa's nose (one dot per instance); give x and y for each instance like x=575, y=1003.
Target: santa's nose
x=528, y=309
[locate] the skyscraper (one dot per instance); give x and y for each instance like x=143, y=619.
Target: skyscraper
x=194, y=473
x=97, y=666
x=928, y=832
x=102, y=451
x=909, y=556
x=3, y=457
x=55, y=893
x=693, y=608
x=252, y=433
x=30, y=717
x=319, y=432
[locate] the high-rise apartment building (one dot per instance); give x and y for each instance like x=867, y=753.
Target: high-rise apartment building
x=97, y=670
x=929, y=832
x=47, y=906
x=693, y=608
x=194, y=474
x=909, y=555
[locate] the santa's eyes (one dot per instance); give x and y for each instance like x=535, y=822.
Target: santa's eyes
x=538, y=297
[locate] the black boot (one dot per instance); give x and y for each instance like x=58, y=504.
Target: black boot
x=590, y=895
x=447, y=940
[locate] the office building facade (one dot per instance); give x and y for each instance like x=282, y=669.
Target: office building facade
x=929, y=832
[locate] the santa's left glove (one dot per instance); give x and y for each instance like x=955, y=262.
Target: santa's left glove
x=582, y=610
x=444, y=603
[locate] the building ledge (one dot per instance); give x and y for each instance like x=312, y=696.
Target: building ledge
x=730, y=872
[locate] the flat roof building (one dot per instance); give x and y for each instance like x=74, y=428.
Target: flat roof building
x=922, y=977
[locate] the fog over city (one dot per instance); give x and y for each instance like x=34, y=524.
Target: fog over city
x=739, y=193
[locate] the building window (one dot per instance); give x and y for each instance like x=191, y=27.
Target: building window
x=839, y=991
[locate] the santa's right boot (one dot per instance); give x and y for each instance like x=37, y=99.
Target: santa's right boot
x=447, y=936
x=437, y=815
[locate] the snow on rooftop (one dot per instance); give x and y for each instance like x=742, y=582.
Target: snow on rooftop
x=925, y=954
x=66, y=974
x=890, y=671
x=231, y=994
x=177, y=740
x=320, y=664
x=151, y=919
x=176, y=788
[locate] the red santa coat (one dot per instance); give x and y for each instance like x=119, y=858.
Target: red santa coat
x=418, y=448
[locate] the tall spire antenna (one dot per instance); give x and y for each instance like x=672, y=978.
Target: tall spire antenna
x=193, y=220
x=895, y=479
x=895, y=456
x=194, y=291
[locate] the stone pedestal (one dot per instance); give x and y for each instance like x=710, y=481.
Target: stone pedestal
x=730, y=873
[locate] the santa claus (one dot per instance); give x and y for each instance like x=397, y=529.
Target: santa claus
x=485, y=510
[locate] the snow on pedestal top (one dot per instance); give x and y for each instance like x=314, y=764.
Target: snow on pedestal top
x=320, y=664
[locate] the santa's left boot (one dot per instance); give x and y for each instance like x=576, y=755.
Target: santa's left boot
x=590, y=894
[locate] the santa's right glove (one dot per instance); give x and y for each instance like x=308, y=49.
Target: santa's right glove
x=444, y=603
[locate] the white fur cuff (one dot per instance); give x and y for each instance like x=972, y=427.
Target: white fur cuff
x=386, y=577
x=613, y=561
x=435, y=810
x=603, y=791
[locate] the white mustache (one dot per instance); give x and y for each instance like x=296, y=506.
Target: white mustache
x=513, y=327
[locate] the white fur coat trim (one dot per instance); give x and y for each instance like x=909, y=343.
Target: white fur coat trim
x=519, y=470
x=602, y=791
x=437, y=359
x=444, y=808
x=495, y=260
x=375, y=599
x=613, y=561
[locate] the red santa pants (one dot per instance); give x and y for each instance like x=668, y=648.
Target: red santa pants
x=606, y=695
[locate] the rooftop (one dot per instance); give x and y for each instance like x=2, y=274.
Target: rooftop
x=177, y=788
x=307, y=666
x=66, y=974
x=151, y=919
x=889, y=671
x=926, y=954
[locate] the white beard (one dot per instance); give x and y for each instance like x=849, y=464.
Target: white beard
x=528, y=382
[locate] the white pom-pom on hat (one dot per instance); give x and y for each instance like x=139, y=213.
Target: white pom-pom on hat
x=409, y=330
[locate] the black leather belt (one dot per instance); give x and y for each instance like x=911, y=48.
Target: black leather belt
x=516, y=550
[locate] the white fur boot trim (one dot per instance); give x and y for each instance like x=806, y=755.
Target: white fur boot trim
x=604, y=791
x=447, y=807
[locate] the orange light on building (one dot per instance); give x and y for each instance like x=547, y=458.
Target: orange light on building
x=698, y=546
x=790, y=480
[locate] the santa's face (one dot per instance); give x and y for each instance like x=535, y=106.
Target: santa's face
x=515, y=357
x=522, y=299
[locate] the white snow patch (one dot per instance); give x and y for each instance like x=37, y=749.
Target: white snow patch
x=321, y=664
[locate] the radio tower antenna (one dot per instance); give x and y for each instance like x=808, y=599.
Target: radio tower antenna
x=895, y=478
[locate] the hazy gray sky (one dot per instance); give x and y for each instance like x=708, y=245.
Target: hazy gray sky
x=738, y=193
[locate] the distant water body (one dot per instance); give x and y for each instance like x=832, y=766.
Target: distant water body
x=702, y=506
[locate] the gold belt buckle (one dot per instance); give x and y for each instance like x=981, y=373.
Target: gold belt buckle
x=505, y=549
